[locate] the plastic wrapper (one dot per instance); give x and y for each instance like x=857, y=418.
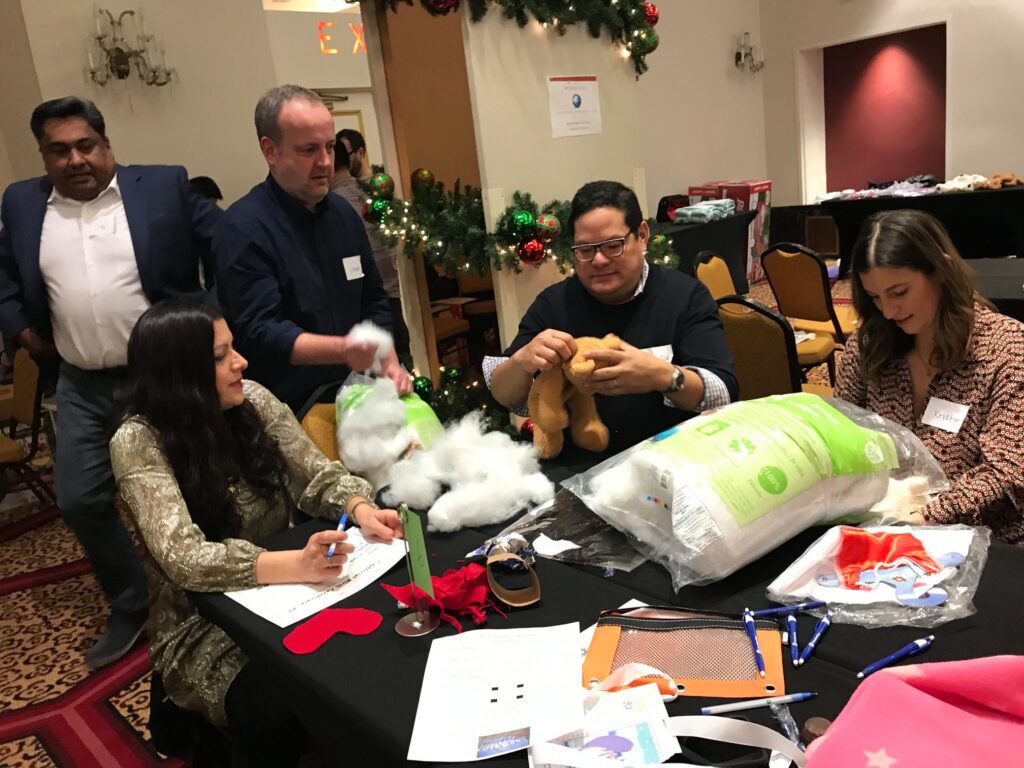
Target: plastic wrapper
x=899, y=588
x=714, y=493
x=564, y=529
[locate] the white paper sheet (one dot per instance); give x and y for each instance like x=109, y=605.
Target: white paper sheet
x=285, y=604
x=483, y=690
x=575, y=105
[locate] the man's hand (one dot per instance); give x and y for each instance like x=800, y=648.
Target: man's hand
x=547, y=349
x=357, y=355
x=629, y=371
x=39, y=348
x=392, y=369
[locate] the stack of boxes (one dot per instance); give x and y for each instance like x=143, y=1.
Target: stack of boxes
x=748, y=196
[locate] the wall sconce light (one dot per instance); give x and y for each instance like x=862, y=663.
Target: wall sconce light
x=745, y=56
x=118, y=58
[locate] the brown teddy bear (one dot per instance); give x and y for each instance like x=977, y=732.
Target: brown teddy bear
x=568, y=385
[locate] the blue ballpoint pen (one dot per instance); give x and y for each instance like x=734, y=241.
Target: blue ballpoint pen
x=819, y=630
x=914, y=648
x=341, y=527
x=748, y=621
x=789, y=608
x=794, y=650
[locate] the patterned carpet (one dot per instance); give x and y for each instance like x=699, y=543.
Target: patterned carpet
x=53, y=711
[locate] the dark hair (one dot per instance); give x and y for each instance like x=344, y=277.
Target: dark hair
x=340, y=152
x=205, y=187
x=268, y=108
x=67, y=106
x=606, y=194
x=353, y=137
x=915, y=240
x=171, y=386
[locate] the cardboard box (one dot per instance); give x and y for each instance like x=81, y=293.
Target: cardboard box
x=709, y=190
x=752, y=196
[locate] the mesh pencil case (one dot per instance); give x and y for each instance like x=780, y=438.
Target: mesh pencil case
x=706, y=653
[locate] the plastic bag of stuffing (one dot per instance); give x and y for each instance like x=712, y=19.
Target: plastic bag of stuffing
x=714, y=493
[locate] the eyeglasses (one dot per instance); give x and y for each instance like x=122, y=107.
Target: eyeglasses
x=610, y=249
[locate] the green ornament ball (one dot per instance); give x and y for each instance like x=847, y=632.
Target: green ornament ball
x=422, y=386
x=647, y=42
x=548, y=227
x=375, y=210
x=521, y=224
x=422, y=179
x=658, y=241
x=382, y=186
x=451, y=375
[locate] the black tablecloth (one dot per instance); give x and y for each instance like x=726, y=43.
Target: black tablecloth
x=363, y=691
x=985, y=224
x=728, y=237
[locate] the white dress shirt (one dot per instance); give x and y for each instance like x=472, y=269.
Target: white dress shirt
x=88, y=263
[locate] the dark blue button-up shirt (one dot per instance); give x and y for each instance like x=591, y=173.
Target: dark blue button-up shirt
x=282, y=271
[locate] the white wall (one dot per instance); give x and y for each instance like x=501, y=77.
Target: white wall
x=984, y=62
x=703, y=118
x=204, y=120
x=6, y=172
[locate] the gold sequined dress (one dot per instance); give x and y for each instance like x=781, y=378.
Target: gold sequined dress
x=196, y=659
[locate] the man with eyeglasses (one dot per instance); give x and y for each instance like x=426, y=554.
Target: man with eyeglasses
x=674, y=361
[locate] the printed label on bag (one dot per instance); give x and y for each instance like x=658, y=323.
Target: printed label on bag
x=353, y=267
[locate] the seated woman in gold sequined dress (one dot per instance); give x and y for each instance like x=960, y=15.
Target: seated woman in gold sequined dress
x=209, y=463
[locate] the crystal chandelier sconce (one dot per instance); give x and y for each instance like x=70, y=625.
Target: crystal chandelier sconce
x=118, y=58
x=746, y=55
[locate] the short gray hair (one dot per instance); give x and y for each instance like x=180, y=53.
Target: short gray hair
x=268, y=108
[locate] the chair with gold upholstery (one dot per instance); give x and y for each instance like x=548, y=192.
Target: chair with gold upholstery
x=711, y=270
x=763, y=349
x=799, y=279
x=26, y=409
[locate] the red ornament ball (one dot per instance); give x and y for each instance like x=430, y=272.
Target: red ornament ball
x=531, y=251
x=652, y=13
x=441, y=6
x=526, y=430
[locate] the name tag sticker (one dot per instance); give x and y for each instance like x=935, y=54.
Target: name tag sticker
x=942, y=414
x=353, y=267
x=664, y=352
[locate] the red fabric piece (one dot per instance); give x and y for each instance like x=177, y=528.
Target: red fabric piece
x=310, y=635
x=861, y=550
x=462, y=591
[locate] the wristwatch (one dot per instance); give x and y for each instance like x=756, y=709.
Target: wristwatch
x=678, y=382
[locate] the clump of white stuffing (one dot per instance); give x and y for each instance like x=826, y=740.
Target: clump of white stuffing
x=367, y=332
x=488, y=476
x=374, y=435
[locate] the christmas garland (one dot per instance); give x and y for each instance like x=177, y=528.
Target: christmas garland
x=450, y=229
x=627, y=22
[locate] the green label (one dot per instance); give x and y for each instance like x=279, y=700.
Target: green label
x=758, y=455
x=418, y=561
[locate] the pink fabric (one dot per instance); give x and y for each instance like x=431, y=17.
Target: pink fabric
x=955, y=713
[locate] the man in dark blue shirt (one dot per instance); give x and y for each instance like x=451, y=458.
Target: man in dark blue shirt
x=295, y=270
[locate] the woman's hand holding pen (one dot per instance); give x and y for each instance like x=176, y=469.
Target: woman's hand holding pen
x=313, y=561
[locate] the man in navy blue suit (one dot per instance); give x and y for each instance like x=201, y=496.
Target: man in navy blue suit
x=84, y=251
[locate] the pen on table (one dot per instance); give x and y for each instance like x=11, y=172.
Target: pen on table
x=914, y=648
x=789, y=608
x=755, y=703
x=819, y=630
x=748, y=621
x=341, y=527
x=794, y=651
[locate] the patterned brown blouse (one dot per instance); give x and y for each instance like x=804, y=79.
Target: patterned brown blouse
x=983, y=460
x=196, y=659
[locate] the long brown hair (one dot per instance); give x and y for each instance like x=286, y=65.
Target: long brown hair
x=913, y=240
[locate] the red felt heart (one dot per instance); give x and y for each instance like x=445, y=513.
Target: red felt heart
x=309, y=636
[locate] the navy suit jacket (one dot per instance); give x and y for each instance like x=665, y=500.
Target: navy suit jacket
x=171, y=229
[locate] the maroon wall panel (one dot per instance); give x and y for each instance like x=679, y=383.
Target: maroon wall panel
x=885, y=108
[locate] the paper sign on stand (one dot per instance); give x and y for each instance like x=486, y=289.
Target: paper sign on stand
x=422, y=621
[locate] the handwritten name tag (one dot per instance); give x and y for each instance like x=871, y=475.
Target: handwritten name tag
x=353, y=267
x=943, y=414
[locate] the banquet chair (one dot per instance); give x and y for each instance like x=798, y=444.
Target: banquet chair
x=799, y=279
x=763, y=349
x=711, y=270
x=26, y=408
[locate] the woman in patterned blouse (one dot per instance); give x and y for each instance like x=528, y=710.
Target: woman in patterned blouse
x=930, y=348
x=208, y=464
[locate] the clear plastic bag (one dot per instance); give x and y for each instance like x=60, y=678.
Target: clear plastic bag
x=564, y=529
x=814, y=576
x=718, y=491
